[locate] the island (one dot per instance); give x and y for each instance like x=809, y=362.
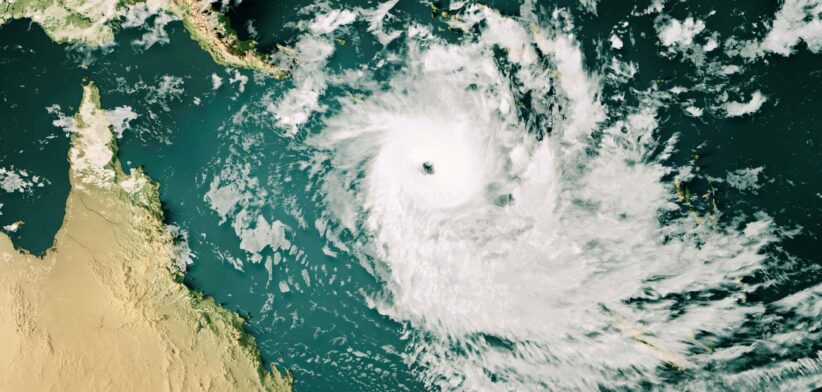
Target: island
x=93, y=23
x=105, y=308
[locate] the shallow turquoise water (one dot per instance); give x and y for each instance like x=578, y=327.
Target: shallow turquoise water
x=325, y=332
x=318, y=334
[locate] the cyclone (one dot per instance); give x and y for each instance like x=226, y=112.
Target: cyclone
x=513, y=217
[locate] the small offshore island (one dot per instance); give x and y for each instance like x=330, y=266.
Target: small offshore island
x=105, y=309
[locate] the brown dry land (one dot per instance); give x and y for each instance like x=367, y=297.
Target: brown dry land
x=104, y=310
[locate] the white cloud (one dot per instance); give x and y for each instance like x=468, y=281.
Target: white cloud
x=237, y=196
x=710, y=45
x=589, y=5
x=156, y=33
x=19, y=181
x=239, y=78
x=796, y=20
x=326, y=23
x=137, y=16
x=438, y=113
x=62, y=121
x=120, y=119
x=310, y=80
x=694, y=111
x=256, y=233
x=216, y=81
x=736, y=109
x=170, y=87
x=745, y=179
x=181, y=254
x=375, y=22
x=616, y=43
x=11, y=228
x=680, y=33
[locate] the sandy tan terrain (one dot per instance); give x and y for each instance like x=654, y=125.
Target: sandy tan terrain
x=104, y=309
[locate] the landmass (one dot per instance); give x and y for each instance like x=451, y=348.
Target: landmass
x=85, y=22
x=104, y=309
x=93, y=23
x=214, y=34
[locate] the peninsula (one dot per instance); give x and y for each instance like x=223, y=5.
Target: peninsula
x=105, y=309
x=93, y=23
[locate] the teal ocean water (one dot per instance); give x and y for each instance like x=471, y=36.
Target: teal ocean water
x=451, y=196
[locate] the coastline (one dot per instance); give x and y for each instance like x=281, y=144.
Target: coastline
x=105, y=309
x=93, y=24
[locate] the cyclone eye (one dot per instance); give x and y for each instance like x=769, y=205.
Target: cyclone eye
x=427, y=168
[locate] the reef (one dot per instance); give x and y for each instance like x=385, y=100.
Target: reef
x=105, y=309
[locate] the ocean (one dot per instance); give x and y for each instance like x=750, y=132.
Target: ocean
x=463, y=196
